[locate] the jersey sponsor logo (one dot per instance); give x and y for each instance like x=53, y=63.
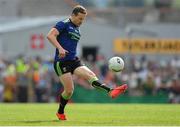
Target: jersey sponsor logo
x=74, y=36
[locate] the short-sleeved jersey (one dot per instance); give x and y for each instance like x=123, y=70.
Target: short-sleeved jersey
x=69, y=35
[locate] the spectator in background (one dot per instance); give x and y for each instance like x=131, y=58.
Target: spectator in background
x=149, y=85
x=9, y=80
x=102, y=65
x=40, y=80
x=22, y=79
x=174, y=89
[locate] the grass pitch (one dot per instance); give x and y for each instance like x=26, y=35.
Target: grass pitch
x=91, y=115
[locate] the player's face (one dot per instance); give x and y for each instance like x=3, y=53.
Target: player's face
x=78, y=19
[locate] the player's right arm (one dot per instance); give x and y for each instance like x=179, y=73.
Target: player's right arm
x=51, y=36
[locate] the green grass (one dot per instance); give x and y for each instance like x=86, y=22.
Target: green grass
x=91, y=114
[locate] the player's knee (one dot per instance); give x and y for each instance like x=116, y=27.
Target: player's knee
x=90, y=75
x=69, y=92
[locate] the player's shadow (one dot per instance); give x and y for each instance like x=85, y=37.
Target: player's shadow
x=38, y=121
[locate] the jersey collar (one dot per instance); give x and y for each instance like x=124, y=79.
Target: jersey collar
x=72, y=23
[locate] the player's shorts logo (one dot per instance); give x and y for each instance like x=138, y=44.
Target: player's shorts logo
x=64, y=69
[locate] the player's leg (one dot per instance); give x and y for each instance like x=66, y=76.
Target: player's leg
x=87, y=74
x=65, y=77
x=66, y=80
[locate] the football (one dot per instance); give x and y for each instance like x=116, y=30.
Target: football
x=116, y=64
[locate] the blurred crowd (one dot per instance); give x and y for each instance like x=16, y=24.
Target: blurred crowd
x=149, y=77
x=33, y=79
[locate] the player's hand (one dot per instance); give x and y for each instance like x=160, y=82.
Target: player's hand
x=62, y=53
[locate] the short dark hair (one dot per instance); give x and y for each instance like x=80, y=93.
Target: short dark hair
x=79, y=9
